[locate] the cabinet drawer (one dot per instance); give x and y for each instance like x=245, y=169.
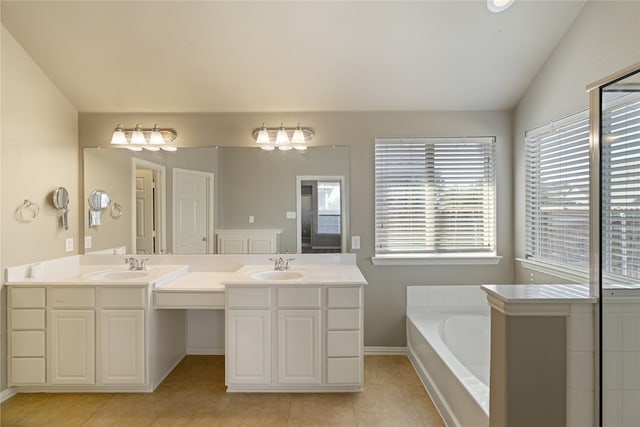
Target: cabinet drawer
x=123, y=297
x=27, y=319
x=189, y=299
x=71, y=297
x=28, y=370
x=344, y=370
x=248, y=297
x=26, y=297
x=343, y=319
x=343, y=298
x=27, y=343
x=343, y=343
x=299, y=297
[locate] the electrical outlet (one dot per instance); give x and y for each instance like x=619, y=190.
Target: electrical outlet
x=251, y=219
x=68, y=244
x=355, y=242
x=87, y=242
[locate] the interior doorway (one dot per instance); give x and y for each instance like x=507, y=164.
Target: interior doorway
x=320, y=214
x=193, y=224
x=149, y=205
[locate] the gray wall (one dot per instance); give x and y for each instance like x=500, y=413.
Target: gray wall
x=604, y=38
x=385, y=297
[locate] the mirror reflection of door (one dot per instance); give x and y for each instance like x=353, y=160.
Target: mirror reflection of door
x=320, y=215
x=192, y=212
x=148, y=212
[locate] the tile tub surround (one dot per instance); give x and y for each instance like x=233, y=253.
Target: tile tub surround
x=572, y=306
x=193, y=394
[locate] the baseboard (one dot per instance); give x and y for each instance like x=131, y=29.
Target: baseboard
x=7, y=394
x=385, y=351
x=205, y=351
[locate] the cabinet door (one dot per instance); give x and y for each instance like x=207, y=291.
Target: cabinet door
x=232, y=244
x=122, y=347
x=72, y=346
x=259, y=244
x=299, y=350
x=248, y=352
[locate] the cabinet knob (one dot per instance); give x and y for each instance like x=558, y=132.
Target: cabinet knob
x=204, y=239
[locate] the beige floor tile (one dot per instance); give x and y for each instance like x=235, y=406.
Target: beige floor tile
x=194, y=395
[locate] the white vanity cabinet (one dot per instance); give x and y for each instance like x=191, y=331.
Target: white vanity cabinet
x=92, y=336
x=293, y=338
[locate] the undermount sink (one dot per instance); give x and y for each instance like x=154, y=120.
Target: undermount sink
x=277, y=274
x=108, y=275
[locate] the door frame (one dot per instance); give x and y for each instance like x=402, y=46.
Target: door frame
x=211, y=243
x=160, y=204
x=344, y=231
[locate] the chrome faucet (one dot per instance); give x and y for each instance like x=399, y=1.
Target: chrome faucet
x=280, y=264
x=135, y=265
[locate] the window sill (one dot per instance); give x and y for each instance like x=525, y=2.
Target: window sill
x=573, y=274
x=436, y=260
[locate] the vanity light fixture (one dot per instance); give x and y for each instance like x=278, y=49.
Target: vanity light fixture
x=499, y=5
x=284, y=138
x=137, y=138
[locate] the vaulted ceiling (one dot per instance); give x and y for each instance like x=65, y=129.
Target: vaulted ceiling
x=239, y=56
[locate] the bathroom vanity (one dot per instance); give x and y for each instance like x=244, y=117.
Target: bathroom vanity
x=74, y=326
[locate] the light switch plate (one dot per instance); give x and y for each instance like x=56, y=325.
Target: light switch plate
x=251, y=219
x=68, y=244
x=291, y=215
x=87, y=242
x=355, y=242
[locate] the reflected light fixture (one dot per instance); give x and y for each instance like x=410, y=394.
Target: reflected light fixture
x=498, y=6
x=138, y=138
x=284, y=138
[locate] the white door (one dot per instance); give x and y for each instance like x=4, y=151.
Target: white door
x=121, y=347
x=72, y=347
x=248, y=351
x=299, y=352
x=145, y=227
x=192, y=212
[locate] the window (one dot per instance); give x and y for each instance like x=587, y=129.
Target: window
x=557, y=192
x=621, y=186
x=328, y=207
x=435, y=196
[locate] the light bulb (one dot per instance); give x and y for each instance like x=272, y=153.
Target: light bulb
x=169, y=148
x=282, y=137
x=263, y=136
x=137, y=137
x=298, y=136
x=300, y=147
x=156, y=137
x=267, y=147
x=118, y=137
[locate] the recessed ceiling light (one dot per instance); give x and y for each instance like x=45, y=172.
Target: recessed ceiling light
x=499, y=5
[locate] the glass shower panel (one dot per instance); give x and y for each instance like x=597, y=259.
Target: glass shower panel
x=620, y=251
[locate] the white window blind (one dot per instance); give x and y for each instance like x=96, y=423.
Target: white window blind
x=620, y=182
x=435, y=196
x=557, y=192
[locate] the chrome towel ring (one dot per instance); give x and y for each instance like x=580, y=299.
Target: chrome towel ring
x=28, y=211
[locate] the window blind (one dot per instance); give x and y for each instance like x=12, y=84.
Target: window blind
x=435, y=195
x=557, y=192
x=620, y=186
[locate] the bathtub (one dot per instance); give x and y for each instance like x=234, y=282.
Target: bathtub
x=448, y=339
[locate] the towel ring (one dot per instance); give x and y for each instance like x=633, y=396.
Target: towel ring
x=28, y=211
x=116, y=210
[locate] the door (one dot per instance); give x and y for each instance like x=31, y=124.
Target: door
x=320, y=214
x=192, y=212
x=145, y=211
x=299, y=351
x=72, y=347
x=122, y=347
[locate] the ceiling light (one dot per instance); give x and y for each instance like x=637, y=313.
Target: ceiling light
x=282, y=138
x=151, y=139
x=285, y=138
x=119, y=137
x=137, y=137
x=499, y=5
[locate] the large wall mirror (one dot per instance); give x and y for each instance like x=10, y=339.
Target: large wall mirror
x=178, y=202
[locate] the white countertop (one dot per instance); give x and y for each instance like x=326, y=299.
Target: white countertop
x=197, y=281
x=548, y=294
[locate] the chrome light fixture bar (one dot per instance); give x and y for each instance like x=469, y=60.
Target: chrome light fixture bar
x=138, y=138
x=284, y=138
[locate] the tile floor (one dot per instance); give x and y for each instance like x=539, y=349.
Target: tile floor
x=194, y=395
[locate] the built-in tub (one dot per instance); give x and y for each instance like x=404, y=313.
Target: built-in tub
x=448, y=337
